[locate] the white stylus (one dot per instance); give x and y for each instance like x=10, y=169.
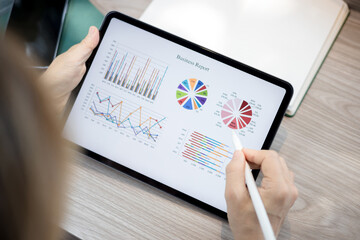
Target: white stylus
x=255, y=196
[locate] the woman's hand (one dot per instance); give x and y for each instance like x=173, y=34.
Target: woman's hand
x=66, y=71
x=277, y=191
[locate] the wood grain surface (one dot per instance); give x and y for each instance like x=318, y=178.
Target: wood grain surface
x=353, y=4
x=321, y=144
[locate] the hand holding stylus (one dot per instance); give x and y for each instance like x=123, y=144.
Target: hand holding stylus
x=277, y=192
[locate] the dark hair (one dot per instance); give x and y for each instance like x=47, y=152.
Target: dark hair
x=31, y=154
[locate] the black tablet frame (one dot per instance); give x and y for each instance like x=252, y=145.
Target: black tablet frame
x=202, y=50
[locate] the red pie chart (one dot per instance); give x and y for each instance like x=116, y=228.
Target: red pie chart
x=236, y=113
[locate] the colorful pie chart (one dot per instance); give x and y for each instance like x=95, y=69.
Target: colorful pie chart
x=236, y=113
x=191, y=94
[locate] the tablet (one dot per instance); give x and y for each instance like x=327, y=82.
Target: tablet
x=161, y=109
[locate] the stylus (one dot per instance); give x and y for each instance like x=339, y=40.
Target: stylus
x=255, y=196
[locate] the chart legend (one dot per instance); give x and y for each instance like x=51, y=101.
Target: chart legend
x=124, y=115
x=134, y=71
x=208, y=152
x=191, y=94
x=236, y=113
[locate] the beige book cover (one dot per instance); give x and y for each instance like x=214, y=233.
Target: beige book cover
x=285, y=38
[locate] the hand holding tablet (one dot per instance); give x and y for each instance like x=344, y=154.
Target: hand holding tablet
x=67, y=69
x=168, y=104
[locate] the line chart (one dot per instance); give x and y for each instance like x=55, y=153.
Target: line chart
x=126, y=116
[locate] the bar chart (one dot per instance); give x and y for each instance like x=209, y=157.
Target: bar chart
x=207, y=152
x=135, y=71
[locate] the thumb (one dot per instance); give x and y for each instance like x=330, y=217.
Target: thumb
x=82, y=51
x=235, y=178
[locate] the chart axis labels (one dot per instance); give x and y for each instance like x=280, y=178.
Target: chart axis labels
x=126, y=116
x=207, y=152
x=135, y=71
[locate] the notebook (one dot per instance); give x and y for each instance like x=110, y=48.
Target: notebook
x=285, y=38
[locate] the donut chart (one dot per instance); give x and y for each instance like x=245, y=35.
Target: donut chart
x=236, y=113
x=191, y=94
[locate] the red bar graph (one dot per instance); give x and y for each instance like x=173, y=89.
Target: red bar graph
x=137, y=72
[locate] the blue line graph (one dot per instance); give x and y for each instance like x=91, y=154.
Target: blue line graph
x=123, y=114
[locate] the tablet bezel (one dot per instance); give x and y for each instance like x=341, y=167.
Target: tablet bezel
x=204, y=51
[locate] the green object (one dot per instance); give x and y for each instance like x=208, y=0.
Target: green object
x=180, y=94
x=81, y=14
x=5, y=12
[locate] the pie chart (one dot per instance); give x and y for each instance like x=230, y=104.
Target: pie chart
x=236, y=113
x=191, y=94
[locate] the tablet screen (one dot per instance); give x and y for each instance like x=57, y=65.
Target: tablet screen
x=166, y=111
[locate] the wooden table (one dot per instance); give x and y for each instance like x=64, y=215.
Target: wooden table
x=321, y=145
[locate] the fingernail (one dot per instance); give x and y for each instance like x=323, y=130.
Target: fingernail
x=240, y=155
x=91, y=31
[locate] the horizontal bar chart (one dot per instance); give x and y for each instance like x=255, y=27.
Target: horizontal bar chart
x=207, y=152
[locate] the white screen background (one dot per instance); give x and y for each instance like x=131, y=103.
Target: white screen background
x=159, y=153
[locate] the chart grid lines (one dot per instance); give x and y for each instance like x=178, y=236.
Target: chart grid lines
x=123, y=114
x=207, y=152
x=136, y=72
